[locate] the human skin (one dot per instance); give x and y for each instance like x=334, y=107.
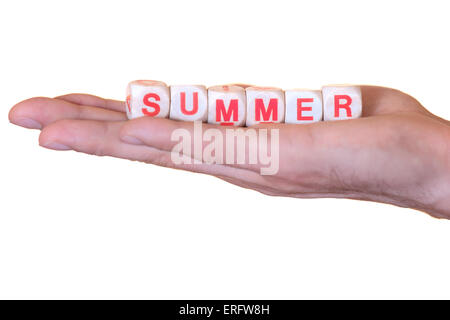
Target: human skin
x=397, y=153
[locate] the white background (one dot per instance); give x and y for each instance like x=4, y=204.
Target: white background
x=79, y=226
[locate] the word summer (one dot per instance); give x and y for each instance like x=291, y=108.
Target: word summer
x=231, y=105
x=233, y=146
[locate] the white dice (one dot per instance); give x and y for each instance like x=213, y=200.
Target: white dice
x=188, y=103
x=303, y=106
x=232, y=105
x=264, y=105
x=341, y=102
x=227, y=105
x=147, y=98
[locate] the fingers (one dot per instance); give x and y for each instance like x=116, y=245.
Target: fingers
x=36, y=113
x=94, y=101
x=102, y=138
x=154, y=132
x=92, y=137
x=243, y=85
x=237, y=147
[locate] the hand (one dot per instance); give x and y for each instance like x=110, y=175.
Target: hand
x=397, y=153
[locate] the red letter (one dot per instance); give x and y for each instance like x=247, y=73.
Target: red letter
x=183, y=104
x=128, y=102
x=301, y=108
x=148, y=103
x=345, y=105
x=261, y=110
x=226, y=115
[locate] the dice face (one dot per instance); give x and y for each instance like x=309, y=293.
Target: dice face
x=341, y=102
x=303, y=106
x=227, y=105
x=147, y=98
x=264, y=105
x=189, y=103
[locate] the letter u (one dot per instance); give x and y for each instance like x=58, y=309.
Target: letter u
x=183, y=104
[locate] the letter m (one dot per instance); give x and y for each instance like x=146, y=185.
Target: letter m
x=267, y=114
x=222, y=113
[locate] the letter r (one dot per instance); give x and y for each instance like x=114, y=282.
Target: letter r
x=338, y=104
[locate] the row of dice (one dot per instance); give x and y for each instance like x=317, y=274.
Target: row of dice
x=231, y=105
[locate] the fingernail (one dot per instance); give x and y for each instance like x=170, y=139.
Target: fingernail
x=56, y=146
x=131, y=140
x=28, y=123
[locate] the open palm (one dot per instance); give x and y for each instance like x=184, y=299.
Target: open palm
x=397, y=153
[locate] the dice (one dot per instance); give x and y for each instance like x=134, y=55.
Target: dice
x=264, y=105
x=341, y=102
x=147, y=98
x=189, y=103
x=227, y=105
x=303, y=106
x=231, y=105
